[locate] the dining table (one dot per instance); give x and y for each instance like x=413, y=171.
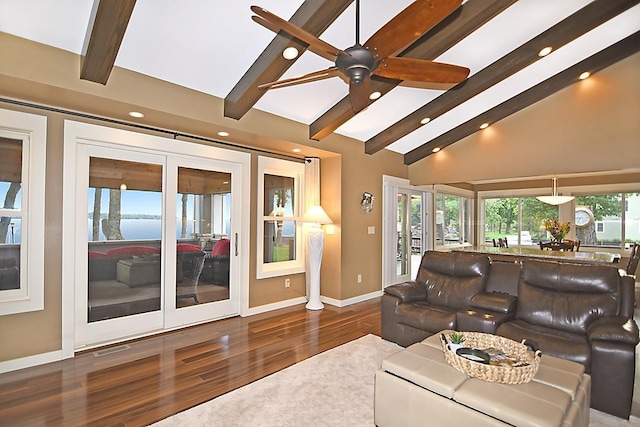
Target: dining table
x=516, y=254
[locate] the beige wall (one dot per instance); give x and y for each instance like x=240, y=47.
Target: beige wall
x=588, y=127
x=42, y=75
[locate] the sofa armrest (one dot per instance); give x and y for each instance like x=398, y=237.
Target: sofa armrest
x=408, y=291
x=493, y=301
x=614, y=328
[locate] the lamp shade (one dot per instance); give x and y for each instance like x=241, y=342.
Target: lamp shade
x=554, y=199
x=316, y=214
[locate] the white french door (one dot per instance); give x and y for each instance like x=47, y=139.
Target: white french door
x=159, y=236
x=406, y=229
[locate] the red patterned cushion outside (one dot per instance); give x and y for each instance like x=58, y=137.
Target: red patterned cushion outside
x=132, y=251
x=187, y=247
x=222, y=247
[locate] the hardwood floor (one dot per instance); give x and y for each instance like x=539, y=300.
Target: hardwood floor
x=165, y=374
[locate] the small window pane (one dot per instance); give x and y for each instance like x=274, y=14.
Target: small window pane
x=279, y=241
x=632, y=218
x=453, y=219
x=10, y=226
x=607, y=211
x=279, y=195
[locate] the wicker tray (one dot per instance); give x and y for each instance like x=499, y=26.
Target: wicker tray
x=495, y=373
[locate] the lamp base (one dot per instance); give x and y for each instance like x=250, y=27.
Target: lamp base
x=314, y=305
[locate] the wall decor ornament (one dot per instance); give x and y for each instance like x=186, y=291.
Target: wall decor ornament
x=367, y=203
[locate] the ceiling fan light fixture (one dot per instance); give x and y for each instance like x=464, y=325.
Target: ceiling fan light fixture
x=375, y=95
x=545, y=51
x=584, y=75
x=425, y=120
x=555, y=199
x=290, y=53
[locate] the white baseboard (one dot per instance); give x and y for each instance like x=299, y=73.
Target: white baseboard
x=350, y=301
x=275, y=306
x=30, y=361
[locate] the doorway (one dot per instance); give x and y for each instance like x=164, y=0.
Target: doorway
x=406, y=229
x=158, y=235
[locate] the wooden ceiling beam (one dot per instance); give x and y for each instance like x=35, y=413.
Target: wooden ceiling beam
x=109, y=20
x=312, y=16
x=574, y=26
x=465, y=20
x=594, y=63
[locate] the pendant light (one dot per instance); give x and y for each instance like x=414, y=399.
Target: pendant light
x=554, y=199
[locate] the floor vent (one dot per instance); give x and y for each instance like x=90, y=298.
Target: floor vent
x=111, y=350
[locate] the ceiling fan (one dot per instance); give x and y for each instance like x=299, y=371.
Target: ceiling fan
x=358, y=63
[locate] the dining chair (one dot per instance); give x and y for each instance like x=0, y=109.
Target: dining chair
x=575, y=243
x=634, y=258
x=557, y=246
x=495, y=243
x=503, y=243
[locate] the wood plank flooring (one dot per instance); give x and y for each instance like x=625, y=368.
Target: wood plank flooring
x=165, y=374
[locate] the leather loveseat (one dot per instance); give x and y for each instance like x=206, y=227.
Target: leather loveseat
x=581, y=313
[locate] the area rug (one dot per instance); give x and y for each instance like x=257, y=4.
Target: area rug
x=334, y=388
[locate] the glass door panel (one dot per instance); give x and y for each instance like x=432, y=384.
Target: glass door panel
x=203, y=228
x=202, y=240
x=411, y=233
x=119, y=290
x=125, y=238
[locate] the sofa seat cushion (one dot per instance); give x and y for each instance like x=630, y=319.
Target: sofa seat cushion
x=550, y=341
x=425, y=316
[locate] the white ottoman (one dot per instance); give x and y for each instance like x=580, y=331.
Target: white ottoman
x=417, y=387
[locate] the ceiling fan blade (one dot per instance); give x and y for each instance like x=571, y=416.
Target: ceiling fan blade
x=409, y=25
x=420, y=70
x=307, y=78
x=297, y=32
x=269, y=26
x=359, y=94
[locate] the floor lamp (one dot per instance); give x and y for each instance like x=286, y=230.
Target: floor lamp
x=315, y=216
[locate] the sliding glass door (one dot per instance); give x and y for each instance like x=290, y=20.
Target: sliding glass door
x=157, y=241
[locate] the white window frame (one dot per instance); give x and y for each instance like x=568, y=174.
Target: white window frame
x=286, y=168
x=31, y=129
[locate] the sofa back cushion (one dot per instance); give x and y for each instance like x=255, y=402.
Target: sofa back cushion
x=451, y=278
x=504, y=277
x=566, y=296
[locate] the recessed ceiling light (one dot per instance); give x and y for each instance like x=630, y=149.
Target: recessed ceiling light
x=584, y=75
x=545, y=51
x=225, y=182
x=435, y=150
x=375, y=95
x=136, y=114
x=223, y=133
x=296, y=150
x=123, y=187
x=425, y=120
x=290, y=53
x=484, y=125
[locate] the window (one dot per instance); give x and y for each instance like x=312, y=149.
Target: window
x=280, y=246
x=453, y=220
x=519, y=219
x=22, y=182
x=616, y=219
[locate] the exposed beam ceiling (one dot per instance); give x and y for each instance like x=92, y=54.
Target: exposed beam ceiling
x=557, y=36
x=104, y=37
x=466, y=19
x=312, y=16
x=594, y=63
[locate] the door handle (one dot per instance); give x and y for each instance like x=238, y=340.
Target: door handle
x=236, y=244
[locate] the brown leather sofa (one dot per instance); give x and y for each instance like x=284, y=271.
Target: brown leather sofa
x=577, y=312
